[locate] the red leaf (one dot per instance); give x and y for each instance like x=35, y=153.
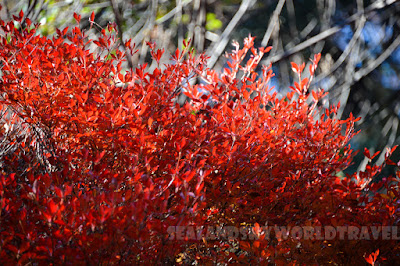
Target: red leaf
x=256, y=229
x=304, y=83
x=77, y=18
x=266, y=49
x=393, y=149
x=12, y=248
x=367, y=154
x=150, y=122
x=176, y=56
x=369, y=260
x=301, y=68
x=314, y=95
x=99, y=157
x=53, y=207
x=375, y=154
x=246, y=94
x=295, y=67
x=190, y=176
x=28, y=22
x=47, y=216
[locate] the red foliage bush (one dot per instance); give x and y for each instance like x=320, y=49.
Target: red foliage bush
x=97, y=163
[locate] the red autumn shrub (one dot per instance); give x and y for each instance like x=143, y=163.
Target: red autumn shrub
x=99, y=165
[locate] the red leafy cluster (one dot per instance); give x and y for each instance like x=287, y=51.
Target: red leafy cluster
x=97, y=162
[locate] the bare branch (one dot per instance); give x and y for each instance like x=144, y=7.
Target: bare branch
x=346, y=52
x=327, y=33
x=378, y=61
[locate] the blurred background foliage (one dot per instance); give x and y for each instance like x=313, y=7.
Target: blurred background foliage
x=359, y=41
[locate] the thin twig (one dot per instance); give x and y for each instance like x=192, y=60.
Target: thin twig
x=119, y=21
x=216, y=49
x=172, y=13
x=271, y=25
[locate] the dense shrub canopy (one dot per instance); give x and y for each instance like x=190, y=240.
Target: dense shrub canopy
x=97, y=162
